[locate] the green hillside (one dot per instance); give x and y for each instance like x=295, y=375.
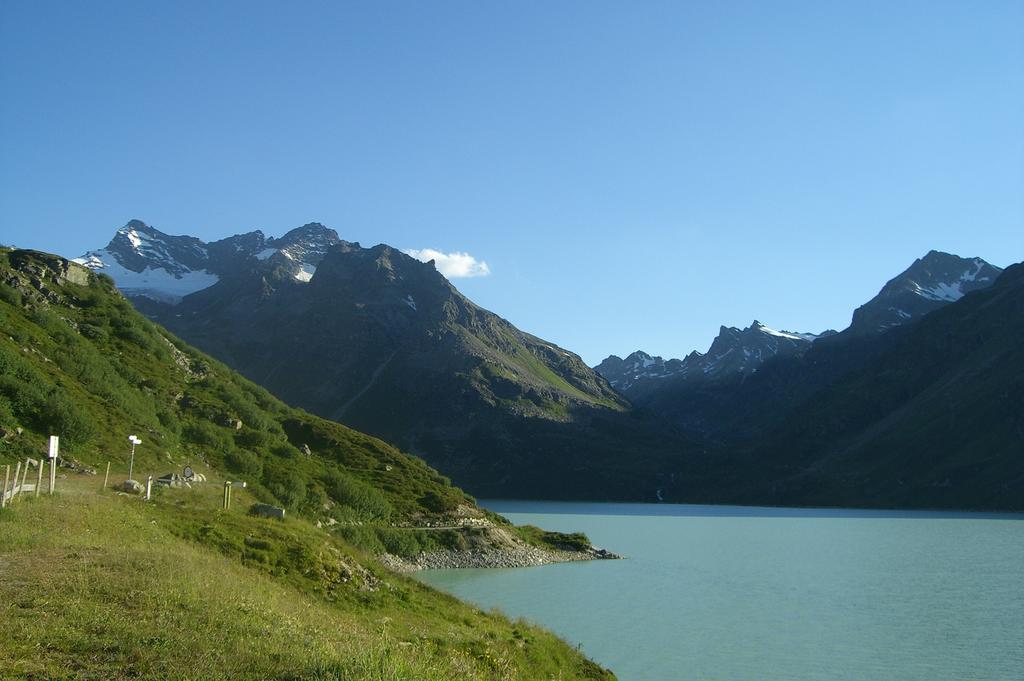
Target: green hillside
x=76, y=360
x=116, y=587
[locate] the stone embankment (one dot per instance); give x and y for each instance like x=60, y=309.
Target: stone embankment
x=521, y=556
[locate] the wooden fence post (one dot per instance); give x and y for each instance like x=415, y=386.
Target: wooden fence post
x=14, y=489
x=39, y=476
x=106, y=477
x=53, y=473
x=7, y=480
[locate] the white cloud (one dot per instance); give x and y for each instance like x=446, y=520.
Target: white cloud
x=454, y=265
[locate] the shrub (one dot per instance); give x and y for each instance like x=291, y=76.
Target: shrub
x=400, y=542
x=244, y=463
x=287, y=485
x=205, y=433
x=10, y=295
x=367, y=501
x=67, y=419
x=94, y=333
x=438, y=503
x=247, y=437
x=363, y=537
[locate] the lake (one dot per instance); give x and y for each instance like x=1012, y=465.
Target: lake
x=730, y=593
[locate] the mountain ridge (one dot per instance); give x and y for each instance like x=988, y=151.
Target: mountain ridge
x=930, y=282
x=386, y=344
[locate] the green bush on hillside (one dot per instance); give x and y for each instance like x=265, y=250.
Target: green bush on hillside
x=244, y=463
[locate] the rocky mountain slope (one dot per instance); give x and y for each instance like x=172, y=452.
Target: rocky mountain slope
x=929, y=283
x=733, y=352
x=384, y=343
x=931, y=415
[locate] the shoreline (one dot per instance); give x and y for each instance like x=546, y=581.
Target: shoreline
x=519, y=557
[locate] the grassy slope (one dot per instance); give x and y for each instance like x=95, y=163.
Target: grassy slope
x=99, y=586
x=78, y=361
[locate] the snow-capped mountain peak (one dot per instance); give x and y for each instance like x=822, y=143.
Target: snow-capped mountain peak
x=733, y=351
x=144, y=261
x=622, y=374
x=930, y=282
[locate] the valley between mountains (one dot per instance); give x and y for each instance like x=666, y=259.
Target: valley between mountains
x=917, y=404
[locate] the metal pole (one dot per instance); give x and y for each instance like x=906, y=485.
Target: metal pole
x=131, y=462
x=106, y=477
x=39, y=476
x=7, y=480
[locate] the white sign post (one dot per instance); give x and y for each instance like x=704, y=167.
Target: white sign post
x=131, y=463
x=53, y=452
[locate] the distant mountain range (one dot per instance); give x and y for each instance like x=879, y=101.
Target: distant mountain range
x=734, y=351
x=383, y=343
x=929, y=283
x=927, y=415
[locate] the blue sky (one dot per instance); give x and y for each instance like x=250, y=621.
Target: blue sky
x=633, y=174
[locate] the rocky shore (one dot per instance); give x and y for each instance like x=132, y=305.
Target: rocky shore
x=522, y=556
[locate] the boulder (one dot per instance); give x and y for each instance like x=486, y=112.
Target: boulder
x=133, y=487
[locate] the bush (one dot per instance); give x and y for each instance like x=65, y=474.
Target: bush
x=367, y=501
x=438, y=503
x=363, y=537
x=285, y=451
x=205, y=433
x=288, y=486
x=244, y=463
x=65, y=418
x=10, y=295
x=255, y=439
x=94, y=333
x=399, y=542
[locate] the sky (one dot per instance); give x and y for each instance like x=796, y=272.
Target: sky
x=617, y=176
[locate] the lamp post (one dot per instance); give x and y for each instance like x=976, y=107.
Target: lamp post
x=131, y=462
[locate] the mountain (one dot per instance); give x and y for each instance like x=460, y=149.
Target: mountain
x=623, y=374
x=178, y=572
x=734, y=352
x=929, y=283
x=146, y=262
x=384, y=343
x=933, y=418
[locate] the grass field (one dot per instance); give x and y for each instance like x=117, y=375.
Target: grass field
x=96, y=585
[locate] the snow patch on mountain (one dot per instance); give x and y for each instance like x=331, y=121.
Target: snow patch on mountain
x=305, y=272
x=155, y=283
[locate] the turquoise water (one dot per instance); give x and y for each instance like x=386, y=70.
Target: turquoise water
x=730, y=594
